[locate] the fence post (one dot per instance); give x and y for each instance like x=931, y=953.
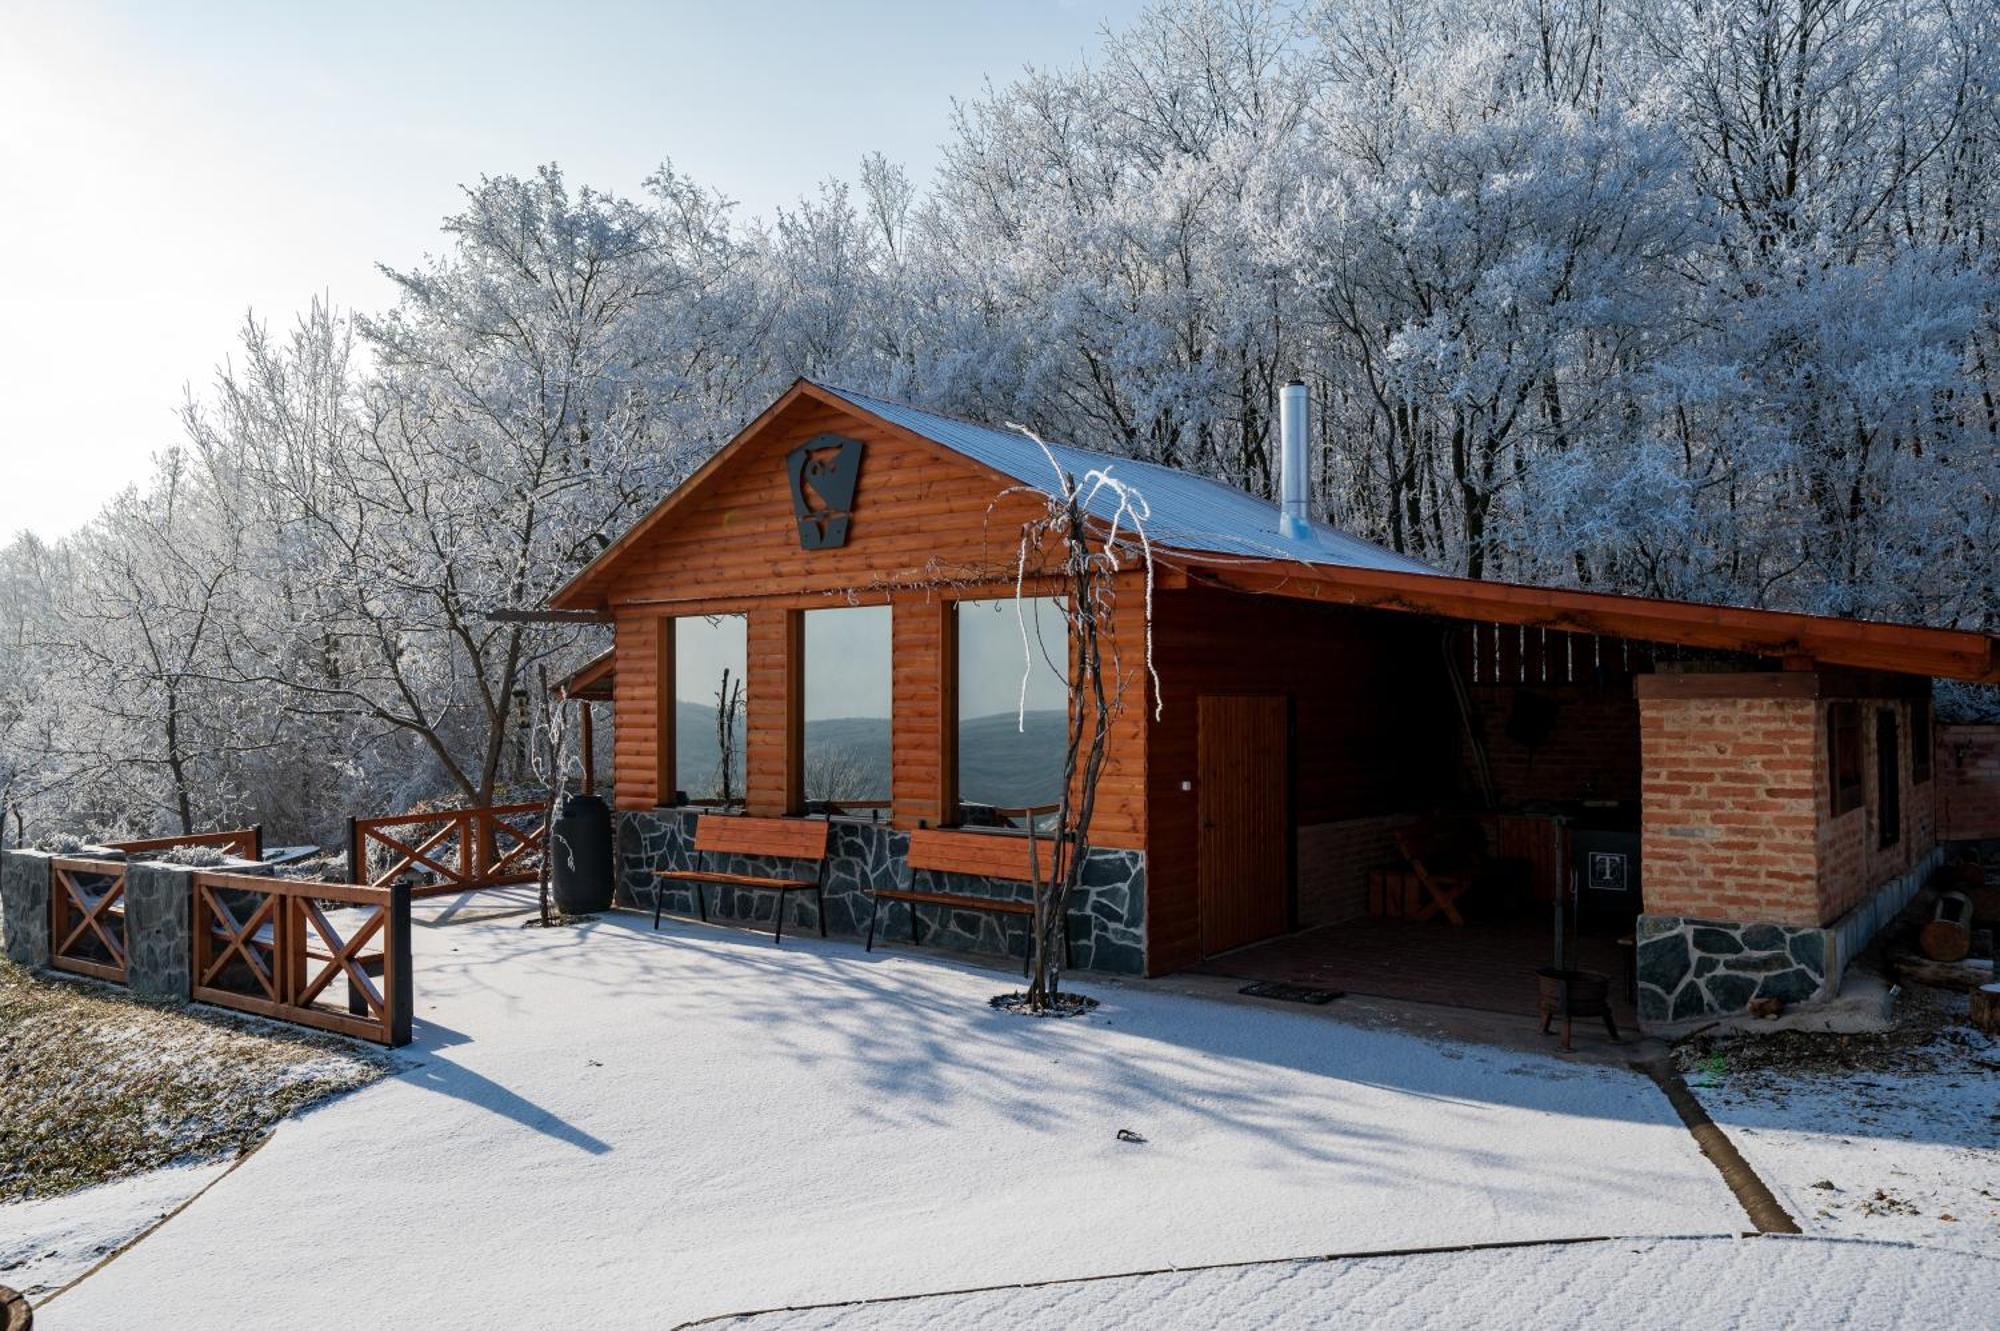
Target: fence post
x=256, y=841
x=159, y=932
x=357, y=862
x=397, y=990
x=25, y=880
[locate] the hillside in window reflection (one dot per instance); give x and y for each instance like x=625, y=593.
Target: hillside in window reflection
x=1001, y=764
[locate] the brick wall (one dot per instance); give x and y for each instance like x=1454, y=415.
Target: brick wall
x=1729, y=829
x=1738, y=821
x=1968, y=776
x=1852, y=860
x=1591, y=750
x=1334, y=863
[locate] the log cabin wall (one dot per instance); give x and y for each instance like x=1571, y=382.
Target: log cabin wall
x=1372, y=726
x=920, y=517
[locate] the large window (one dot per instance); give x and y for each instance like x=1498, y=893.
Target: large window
x=710, y=654
x=847, y=690
x=1013, y=688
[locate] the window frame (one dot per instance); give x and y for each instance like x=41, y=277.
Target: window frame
x=1845, y=761
x=1923, y=723
x=669, y=717
x=950, y=661
x=1888, y=778
x=801, y=804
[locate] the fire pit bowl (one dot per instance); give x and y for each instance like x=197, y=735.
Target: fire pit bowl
x=1569, y=994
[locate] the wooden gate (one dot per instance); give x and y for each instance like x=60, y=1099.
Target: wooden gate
x=87, y=918
x=1245, y=858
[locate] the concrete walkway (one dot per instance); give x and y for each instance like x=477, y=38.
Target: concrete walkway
x=608, y=1126
x=1770, y=1283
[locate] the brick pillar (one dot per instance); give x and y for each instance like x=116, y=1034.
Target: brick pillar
x=1731, y=845
x=158, y=940
x=24, y=906
x=1729, y=796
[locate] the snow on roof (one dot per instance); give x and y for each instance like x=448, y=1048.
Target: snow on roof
x=1189, y=512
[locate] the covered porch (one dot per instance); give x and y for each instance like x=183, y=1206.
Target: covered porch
x=1705, y=806
x=1488, y=967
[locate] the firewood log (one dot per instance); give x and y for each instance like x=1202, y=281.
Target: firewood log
x=1948, y=935
x=1914, y=969
x=1986, y=1008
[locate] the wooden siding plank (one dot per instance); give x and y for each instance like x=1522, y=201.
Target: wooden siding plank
x=925, y=523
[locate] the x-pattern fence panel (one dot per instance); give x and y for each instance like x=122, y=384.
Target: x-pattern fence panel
x=245, y=843
x=87, y=918
x=273, y=947
x=457, y=850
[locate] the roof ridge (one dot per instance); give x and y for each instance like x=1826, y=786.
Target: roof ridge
x=1003, y=430
x=1148, y=475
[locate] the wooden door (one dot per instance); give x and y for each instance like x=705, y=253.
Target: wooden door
x=1244, y=802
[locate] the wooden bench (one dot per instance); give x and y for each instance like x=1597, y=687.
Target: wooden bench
x=987, y=855
x=738, y=834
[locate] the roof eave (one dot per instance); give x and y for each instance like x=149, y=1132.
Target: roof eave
x=1906, y=649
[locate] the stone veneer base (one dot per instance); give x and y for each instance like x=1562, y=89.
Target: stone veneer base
x=1107, y=923
x=24, y=906
x=1693, y=970
x=158, y=933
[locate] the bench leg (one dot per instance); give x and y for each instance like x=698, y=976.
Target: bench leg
x=916, y=932
x=701, y=901
x=874, y=910
x=659, y=896
x=819, y=904
x=778, y=932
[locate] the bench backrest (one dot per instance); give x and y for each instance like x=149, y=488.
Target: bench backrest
x=985, y=854
x=736, y=834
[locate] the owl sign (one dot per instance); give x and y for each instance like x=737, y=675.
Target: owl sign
x=823, y=472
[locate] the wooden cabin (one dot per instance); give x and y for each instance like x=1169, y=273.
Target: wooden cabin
x=1346, y=750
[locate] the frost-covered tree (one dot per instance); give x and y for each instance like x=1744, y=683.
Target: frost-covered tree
x=1689, y=298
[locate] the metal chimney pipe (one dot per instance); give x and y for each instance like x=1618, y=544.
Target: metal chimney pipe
x=1294, y=428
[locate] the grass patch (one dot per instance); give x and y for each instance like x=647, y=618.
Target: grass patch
x=96, y=1085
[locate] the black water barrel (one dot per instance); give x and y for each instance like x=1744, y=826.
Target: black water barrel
x=580, y=867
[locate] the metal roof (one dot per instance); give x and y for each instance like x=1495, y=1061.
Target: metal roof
x=1189, y=512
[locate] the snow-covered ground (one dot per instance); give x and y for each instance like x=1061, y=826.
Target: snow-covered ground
x=48, y=1242
x=1772, y=1284
x=623, y=1128
x=1893, y=1137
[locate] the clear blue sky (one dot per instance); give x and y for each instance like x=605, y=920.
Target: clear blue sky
x=172, y=165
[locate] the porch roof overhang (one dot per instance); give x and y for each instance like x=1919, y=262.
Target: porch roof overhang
x=1907, y=649
x=590, y=682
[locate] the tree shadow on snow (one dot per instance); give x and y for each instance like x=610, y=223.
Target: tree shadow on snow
x=915, y=1032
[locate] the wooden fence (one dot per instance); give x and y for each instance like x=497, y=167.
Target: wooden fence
x=87, y=918
x=245, y=843
x=457, y=850
x=272, y=947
